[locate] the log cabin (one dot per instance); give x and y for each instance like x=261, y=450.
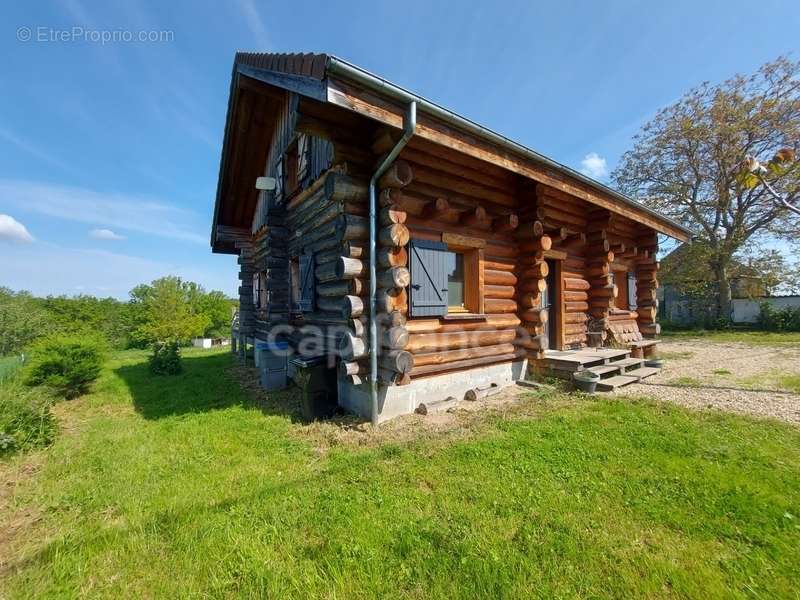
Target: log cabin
x=422, y=253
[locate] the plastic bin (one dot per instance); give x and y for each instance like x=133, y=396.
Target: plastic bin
x=317, y=382
x=272, y=361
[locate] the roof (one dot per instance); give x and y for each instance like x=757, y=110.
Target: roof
x=328, y=78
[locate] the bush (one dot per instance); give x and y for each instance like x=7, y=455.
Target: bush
x=68, y=365
x=25, y=418
x=779, y=319
x=166, y=359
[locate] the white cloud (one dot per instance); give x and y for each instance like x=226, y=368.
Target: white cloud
x=111, y=210
x=255, y=23
x=12, y=230
x=594, y=165
x=105, y=234
x=35, y=151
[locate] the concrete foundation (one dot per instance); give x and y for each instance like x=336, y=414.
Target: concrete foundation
x=397, y=400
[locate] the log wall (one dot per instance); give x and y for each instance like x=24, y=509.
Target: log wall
x=435, y=193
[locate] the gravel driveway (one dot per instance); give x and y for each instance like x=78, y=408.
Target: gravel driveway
x=728, y=376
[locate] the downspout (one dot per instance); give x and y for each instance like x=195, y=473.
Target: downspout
x=409, y=125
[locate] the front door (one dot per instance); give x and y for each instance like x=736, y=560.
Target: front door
x=549, y=302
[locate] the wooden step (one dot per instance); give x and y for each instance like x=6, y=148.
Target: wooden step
x=642, y=372
x=604, y=369
x=573, y=364
x=612, y=383
x=628, y=363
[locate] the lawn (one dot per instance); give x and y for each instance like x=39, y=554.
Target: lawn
x=183, y=486
x=750, y=338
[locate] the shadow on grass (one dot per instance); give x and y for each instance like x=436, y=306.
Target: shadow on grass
x=210, y=382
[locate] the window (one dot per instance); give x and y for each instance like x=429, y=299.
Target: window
x=302, y=279
x=444, y=280
x=455, y=282
x=256, y=289
x=632, y=304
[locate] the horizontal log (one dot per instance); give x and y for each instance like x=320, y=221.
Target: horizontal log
x=576, y=306
x=469, y=363
x=391, y=214
x=536, y=271
x=355, y=287
x=532, y=285
x=351, y=347
x=498, y=291
x=608, y=291
x=574, y=328
x=351, y=268
x=394, y=235
x=573, y=284
x=353, y=368
x=399, y=175
x=476, y=218
x=534, y=315
x=490, y=322
x=436, y=209
x=394, y=277
x=532, y=342
x=448, y=356
x=395, y=338
x=492, y=263
x=574, y=296
x=495, y=277
x=349, y=227
x=575, y=317
x=400, y=361
x=505, y=223
x=392, y=256
x=530, y=229
x=499, y=305
x=392, y=299
x=528, y=300
x=429, y=342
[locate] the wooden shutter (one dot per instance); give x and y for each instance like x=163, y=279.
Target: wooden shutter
x=306, y=283
x=256, y=289
x=631, y=291
x=428, y=297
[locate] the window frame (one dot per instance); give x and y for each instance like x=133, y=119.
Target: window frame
x=472, y=257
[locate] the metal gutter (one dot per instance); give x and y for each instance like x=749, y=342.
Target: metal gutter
x=346, y=70
x=409, y=126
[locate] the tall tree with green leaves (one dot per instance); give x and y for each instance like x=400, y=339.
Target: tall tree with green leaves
x=167, y=311
x=688, y=163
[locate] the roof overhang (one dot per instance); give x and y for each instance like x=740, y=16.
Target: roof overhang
x=334, y=81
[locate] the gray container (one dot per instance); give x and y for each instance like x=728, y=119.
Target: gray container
x=272, y=361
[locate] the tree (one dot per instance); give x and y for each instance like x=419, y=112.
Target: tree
x=22, y=320
x=687, y=163
x=167, y=311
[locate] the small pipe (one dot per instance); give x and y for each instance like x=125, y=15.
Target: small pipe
x=409, y=126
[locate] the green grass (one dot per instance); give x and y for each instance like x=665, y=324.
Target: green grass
x=789, y=382
x=721, y=372
x=180, y=486
x=751, y=338
x=686, y=381
x=8, y=366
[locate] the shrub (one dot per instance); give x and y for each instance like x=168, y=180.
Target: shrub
x=68, y=365
x=779, y=319
x=166, y=359
x=25, y=418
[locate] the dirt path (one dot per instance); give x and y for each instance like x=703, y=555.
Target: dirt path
x=732, y=377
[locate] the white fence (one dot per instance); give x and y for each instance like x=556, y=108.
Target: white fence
x=747, y=311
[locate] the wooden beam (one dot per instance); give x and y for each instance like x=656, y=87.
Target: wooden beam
x=372, y=106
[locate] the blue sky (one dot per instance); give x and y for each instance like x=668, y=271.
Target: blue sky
x=109, y=152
